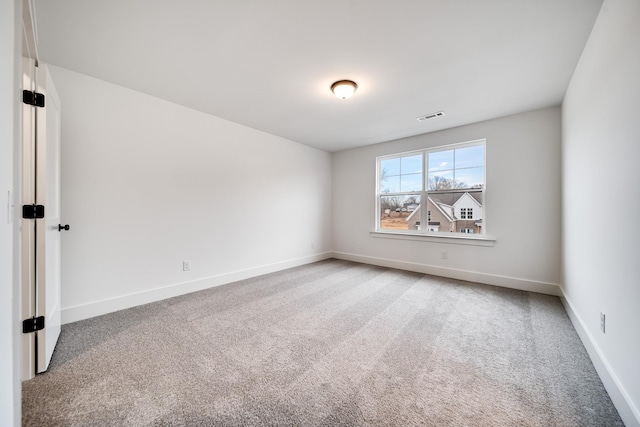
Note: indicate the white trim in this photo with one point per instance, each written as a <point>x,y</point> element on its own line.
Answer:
<point>97,308</point>
<point>621,399</point>
<point>470,276</point>
<point>628,411</point>
<point>424,193</point>
<point>463,239</point>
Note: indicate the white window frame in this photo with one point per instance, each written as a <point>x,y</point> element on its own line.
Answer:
<point>424,232</point>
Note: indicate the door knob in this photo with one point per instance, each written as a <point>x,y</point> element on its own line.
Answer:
<point>63,227</point>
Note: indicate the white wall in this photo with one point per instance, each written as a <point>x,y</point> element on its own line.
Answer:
<point>522,205</point>
<point>10,42</point>
<point>147,184</point>
<point>601,155</point>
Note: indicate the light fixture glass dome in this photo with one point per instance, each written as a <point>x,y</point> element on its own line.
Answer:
<point>344,89</point>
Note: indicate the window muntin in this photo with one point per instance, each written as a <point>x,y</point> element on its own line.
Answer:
<point>401,174</point>
<point>395,210</point>
<point>453,187</point>
<point>456,168</point>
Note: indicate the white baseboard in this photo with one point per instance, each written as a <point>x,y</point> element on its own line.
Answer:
<point>619,396</point>
<point>98,308</point>
<point>628,411</point>
<point>471,276</point>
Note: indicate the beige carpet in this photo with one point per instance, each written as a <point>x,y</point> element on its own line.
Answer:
<point>329,344</point>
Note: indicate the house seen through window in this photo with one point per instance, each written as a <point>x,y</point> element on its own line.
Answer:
<point>450,180</point>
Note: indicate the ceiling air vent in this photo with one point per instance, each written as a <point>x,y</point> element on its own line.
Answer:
<point>430,116</point>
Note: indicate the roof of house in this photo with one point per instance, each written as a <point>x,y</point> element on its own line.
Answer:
<point>447,198</point>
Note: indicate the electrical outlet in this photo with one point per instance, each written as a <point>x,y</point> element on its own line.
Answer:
<point>444,255</point>
<point>312,245</point>
<point>186,265</point>
<point>603,319</point>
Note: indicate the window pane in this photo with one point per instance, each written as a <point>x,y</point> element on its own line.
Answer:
<point>402,174</point>
<point>399,212</point>
<point>440,160</point>
<point>469,157</point>
<point>453,179</point>
<point>411,182</point>
<point>389,167</point>
<point>470,178</point>
<point>442,180</point>
<point>390,184</point>
<point>411,164</point>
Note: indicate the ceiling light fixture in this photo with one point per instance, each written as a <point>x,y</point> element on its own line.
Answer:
<point>344,89</point>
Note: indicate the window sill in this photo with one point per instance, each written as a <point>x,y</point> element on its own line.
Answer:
<point>454,240</point>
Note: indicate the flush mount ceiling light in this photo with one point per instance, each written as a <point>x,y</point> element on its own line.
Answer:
<point>343,89</point>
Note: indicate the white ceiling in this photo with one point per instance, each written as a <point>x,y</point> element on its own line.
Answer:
<point>269,64</point>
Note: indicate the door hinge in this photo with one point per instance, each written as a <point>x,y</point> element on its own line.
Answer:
<point>32,211</point>
<point>33,98</point>
<point>32,325</point>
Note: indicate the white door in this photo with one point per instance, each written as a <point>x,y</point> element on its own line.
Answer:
<point>48,293</point>
<point>27,226</point>
<point>41,236</point>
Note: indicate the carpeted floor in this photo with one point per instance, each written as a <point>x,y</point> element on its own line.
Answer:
<point>333,343</point>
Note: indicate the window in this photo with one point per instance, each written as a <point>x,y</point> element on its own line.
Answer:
<point>449,180</point>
